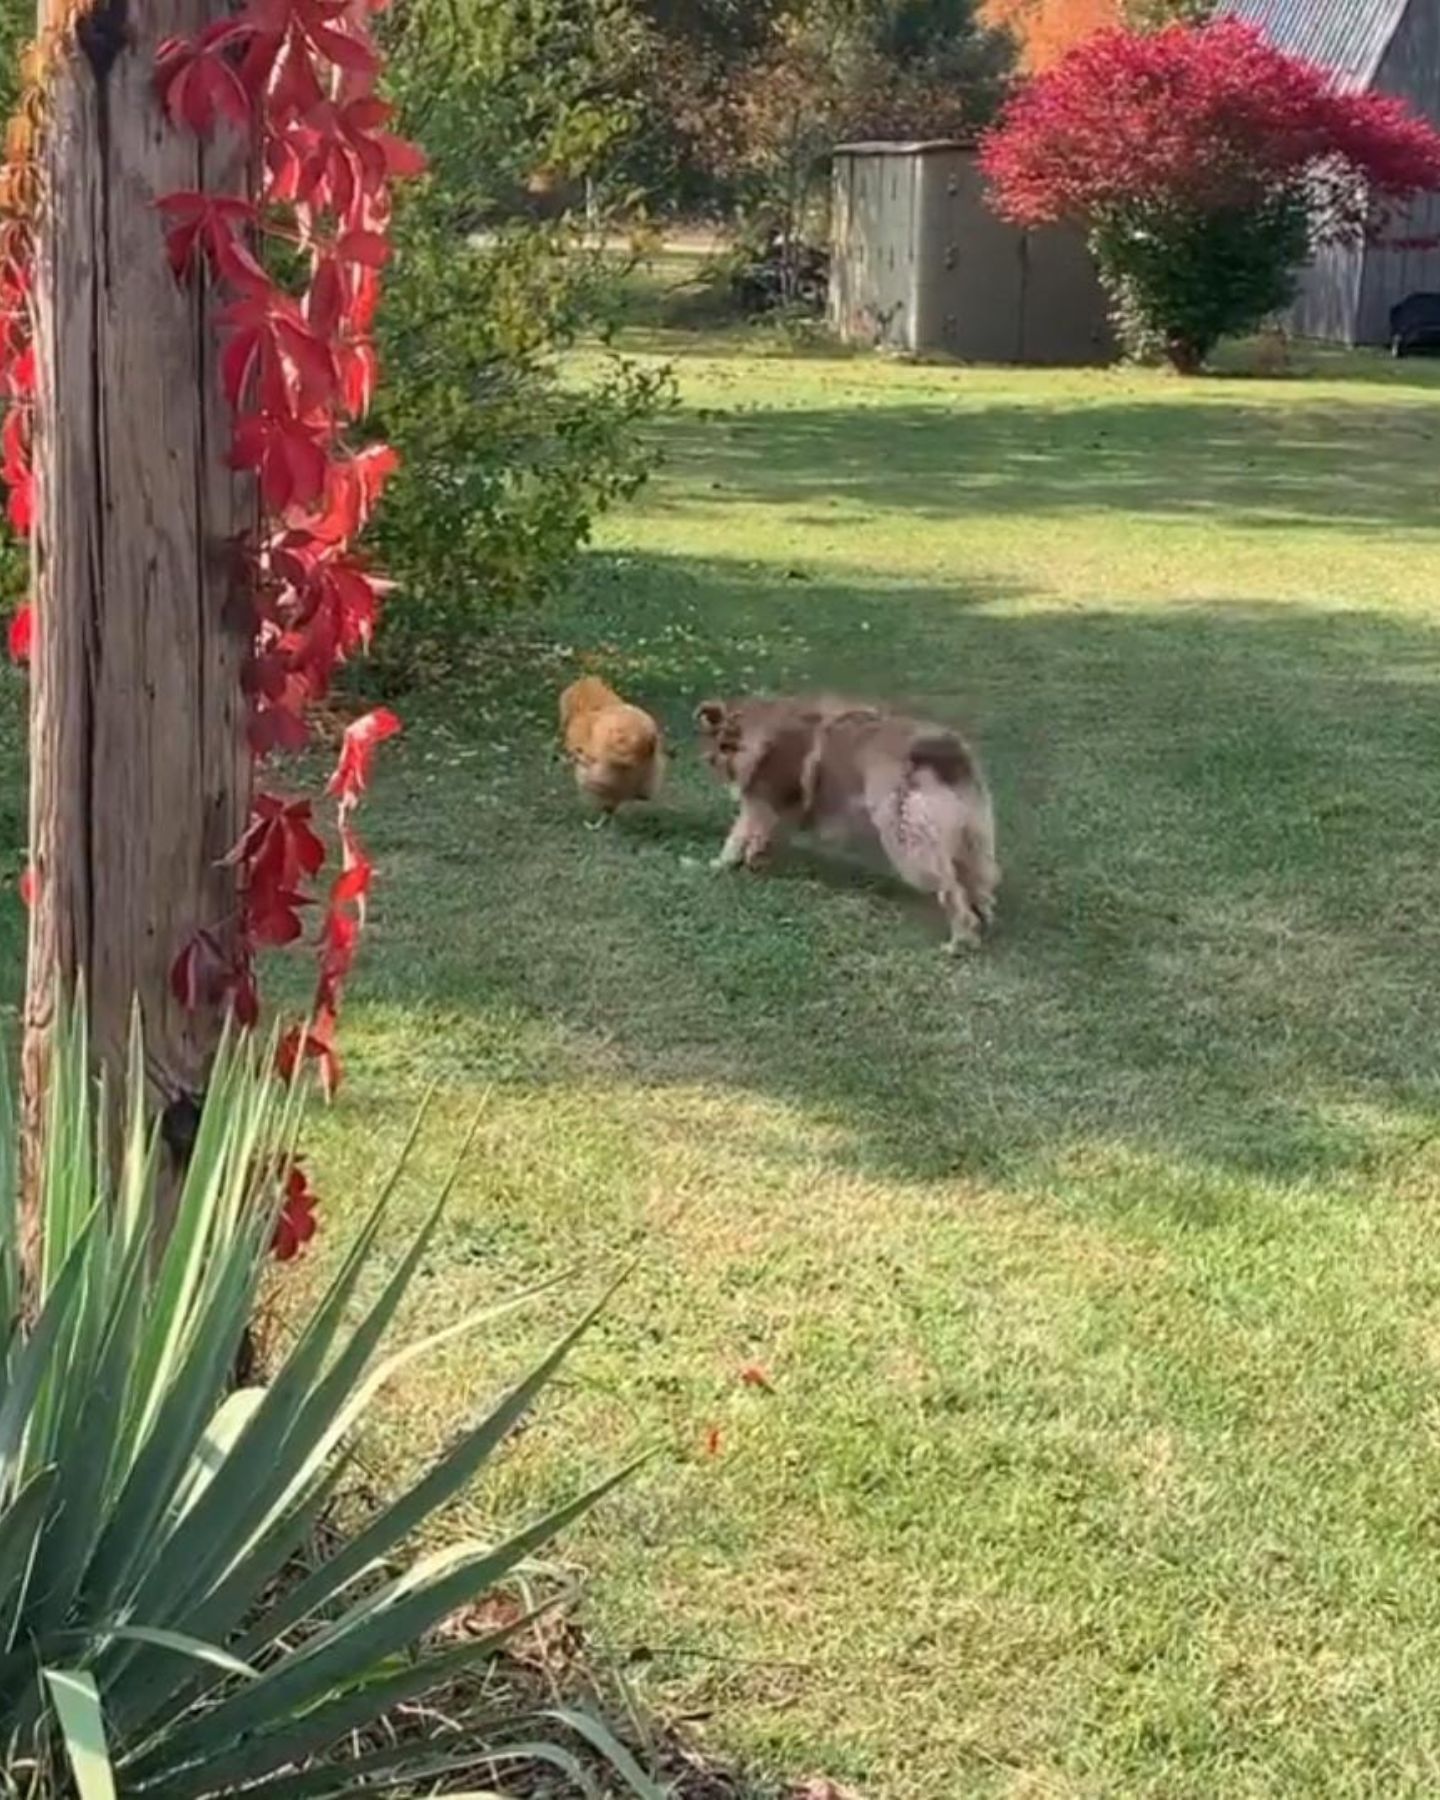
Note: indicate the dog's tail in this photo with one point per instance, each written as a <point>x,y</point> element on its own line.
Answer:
<point>945,755</point>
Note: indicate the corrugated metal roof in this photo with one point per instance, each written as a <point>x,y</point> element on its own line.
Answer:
<point>905,146</point>
<point>1348,36</point>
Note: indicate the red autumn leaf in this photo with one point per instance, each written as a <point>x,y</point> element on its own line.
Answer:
<point>22,632</point>
<point>280,848</point>
<point>353,883</point>
<point>288,456</point>
<point>364,299</point>
<point>213,225</point>
<point>402,158</point>
<point>353,489</point>
<point>359,374</point>
<point>300,1046</point>
<point>295,86</point>
<point>344,51</point>
<point>20,377</point>
<point>29,884</point>
<point>366,247</point>
<point>270,340</point>
<point>199,974</point>
<point>712,1440</point>
<point>15,448</point>
<point>197,82</point>
<point>295,1223</point>
<point>325,299</point>
<point>245,997</point>
<point>352,772</point>
<point>273,918</point>
<point>752,1375</point>
<point>20,508</point>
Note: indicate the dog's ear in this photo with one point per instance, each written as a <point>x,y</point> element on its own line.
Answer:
<point>710,715</point>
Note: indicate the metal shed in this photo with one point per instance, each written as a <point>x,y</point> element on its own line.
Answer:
<point>920,263</point>
<point>1393,47</point>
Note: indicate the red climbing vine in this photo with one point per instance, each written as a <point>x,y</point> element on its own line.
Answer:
<point>299,369</point>
<point>299,270</point>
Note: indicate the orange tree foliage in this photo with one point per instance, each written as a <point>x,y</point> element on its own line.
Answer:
<point>1047,29</point>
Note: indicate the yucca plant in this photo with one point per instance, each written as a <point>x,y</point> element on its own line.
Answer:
<point>151,1640</point>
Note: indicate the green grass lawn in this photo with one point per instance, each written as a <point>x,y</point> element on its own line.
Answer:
<point>1097,1277</point>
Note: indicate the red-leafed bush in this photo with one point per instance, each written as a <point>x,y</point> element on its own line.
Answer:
<point>1205,166</point>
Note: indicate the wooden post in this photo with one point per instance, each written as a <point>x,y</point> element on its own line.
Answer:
<point>140,773</point>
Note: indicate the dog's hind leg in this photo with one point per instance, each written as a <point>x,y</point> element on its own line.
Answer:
<point>977,872</point>
<point>966,922</point>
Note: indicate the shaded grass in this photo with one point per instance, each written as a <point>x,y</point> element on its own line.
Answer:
<point>1094,1280</point>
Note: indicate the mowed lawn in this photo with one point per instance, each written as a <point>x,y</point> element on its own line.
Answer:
<point>1095,1280</point>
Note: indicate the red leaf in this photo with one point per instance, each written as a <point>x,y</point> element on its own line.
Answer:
<point>20,508</point>
<point>402,158</point>
<point>198,974</point>
<point>197,83</point>
<point>325,301</point>
<point>299,1046</point>
<point>752,1375</point>
<point>344,51</point>
<point>22,372</point>
<point>359,373</point>
<point>366,247</point>
<point>712,1440</point>
<point>245,999</point>
<point>22,632</point>
<point>287,456</point>
<point>29,884</point>
<point>295,89</point>
<point>352,772</point>
<point>310,364</point>
<point>295,1223</point>
<point>367,113</point>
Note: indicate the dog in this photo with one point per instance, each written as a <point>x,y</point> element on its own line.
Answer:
<point>859,771</point>
<point>616,749</point>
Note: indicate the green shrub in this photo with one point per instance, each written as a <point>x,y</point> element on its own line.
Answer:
<point>504,463</point>
<point>158,1638</point>
<point>506,456</point>
<point>1180,280</point>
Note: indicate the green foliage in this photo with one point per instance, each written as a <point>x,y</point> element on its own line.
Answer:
<point>1180,280</point>
<point>1151,15</point>
<point>501,92</point>
<point>837,69</point>
<point>520,104</point>
<point>504,464</point>
<point>159,1636</point>
<point>739,99</point>
<point>17,26</point>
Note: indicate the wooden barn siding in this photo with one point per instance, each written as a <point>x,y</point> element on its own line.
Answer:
<point>1411,69</point>
<point>1328,303</point>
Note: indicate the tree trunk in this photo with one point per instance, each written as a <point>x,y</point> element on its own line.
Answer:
<point>140,772</point>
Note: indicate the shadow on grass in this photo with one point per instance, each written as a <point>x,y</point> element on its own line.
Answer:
<point>1348,465</point>
<point>1217,937</point>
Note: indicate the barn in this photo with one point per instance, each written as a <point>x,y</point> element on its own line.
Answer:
<point>1392,46</point>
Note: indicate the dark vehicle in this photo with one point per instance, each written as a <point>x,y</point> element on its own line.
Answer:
<point>1415,324</point>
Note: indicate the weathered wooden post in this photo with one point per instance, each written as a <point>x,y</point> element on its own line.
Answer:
<point>140,771</point>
